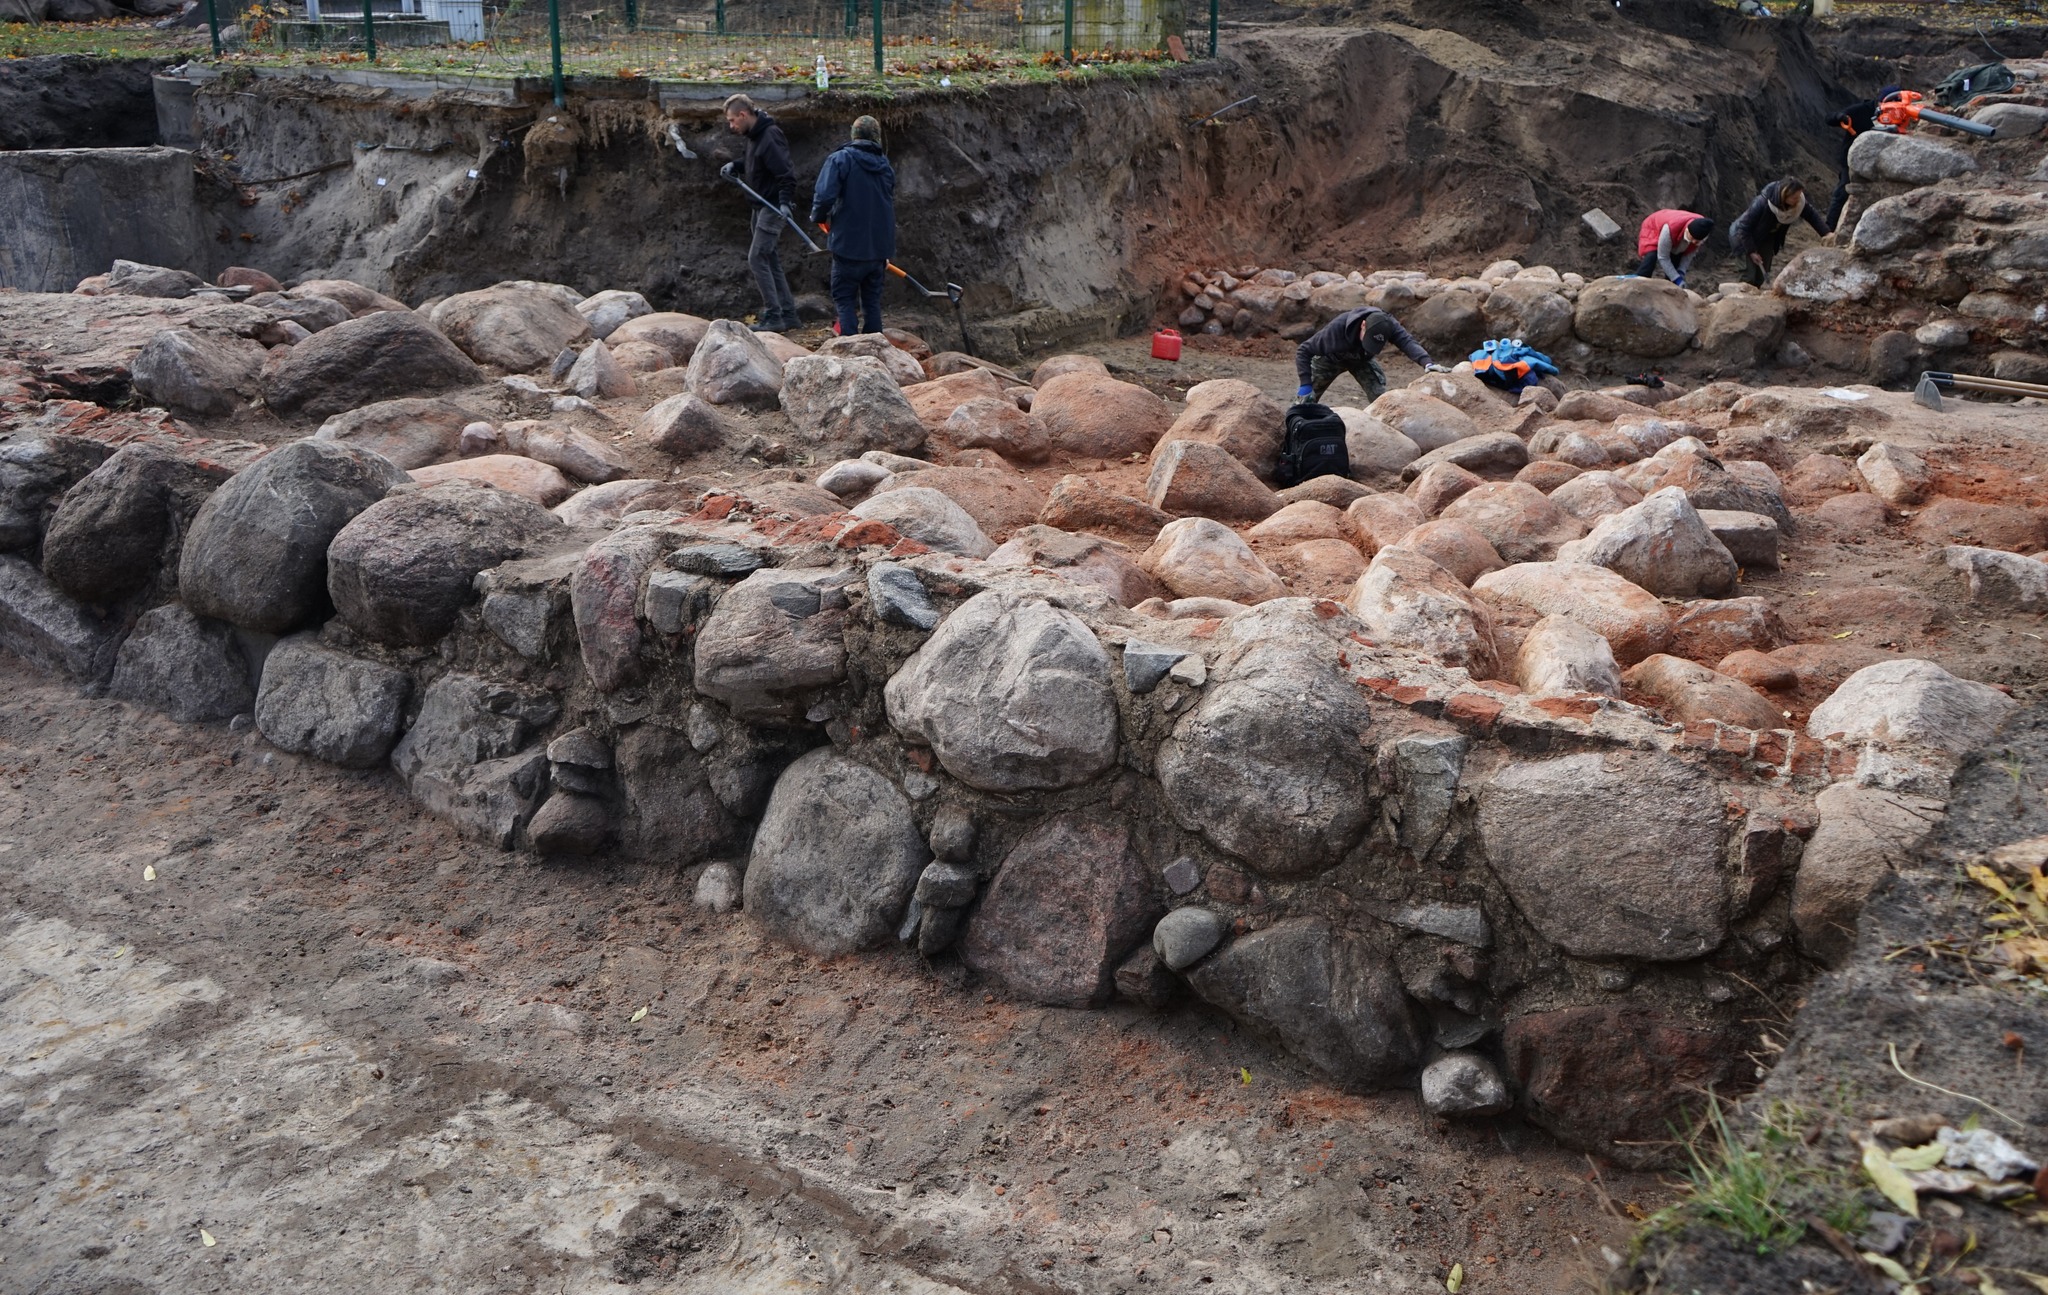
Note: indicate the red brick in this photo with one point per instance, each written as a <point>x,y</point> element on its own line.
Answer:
<point>1473,708</point>
<point>907,548</point>
<point>1842,761</point>
<point>1325,609</point>
<point>716,508</point>
<point>1568,707</point>
<point>1735,741</point>
<point>1703,734</point>
<point>865,532</point>
<point>1203,629</point>
<point>1808,756</point>
<point>1501,686</point>
<point>1770,747</point>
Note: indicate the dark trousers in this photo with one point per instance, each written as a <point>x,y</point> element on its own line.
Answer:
<point>858,283</point>
<point>1769,244</point>
<point>1322,371</point>
<point>764,257</point>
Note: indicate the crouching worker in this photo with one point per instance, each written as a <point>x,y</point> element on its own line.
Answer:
<point>1351,344</point>
<point>855,200</point>
<point>1668,241</point>
<point>1758,234</point>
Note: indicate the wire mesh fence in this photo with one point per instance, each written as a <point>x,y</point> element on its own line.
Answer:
<point>831,41</point>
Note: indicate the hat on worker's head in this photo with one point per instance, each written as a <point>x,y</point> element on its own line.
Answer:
<point>866,127</point>
<point>1699,227</point>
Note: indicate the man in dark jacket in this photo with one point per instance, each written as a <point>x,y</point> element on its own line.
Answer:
<point>767,172</point>
<point>855,199</point>
<point>1351,343</point>
<point>1856,119</point>
<point>1758,234</point>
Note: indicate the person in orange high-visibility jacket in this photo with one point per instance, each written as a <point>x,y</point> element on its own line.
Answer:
<point>1668,241</point>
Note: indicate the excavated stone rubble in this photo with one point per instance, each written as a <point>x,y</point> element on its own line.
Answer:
<point>1478,772</point>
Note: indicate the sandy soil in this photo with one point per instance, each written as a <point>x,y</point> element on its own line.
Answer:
<point>360,1053</point>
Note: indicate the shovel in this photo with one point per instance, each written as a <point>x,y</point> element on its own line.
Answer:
<point>952,294</point>
<point>787,218</point>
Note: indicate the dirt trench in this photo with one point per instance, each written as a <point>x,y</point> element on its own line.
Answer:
<point>1452,136</point>
<point>76,101</point>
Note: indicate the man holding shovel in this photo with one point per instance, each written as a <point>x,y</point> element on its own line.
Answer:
<point>855,198</point>
<point>767,172</point>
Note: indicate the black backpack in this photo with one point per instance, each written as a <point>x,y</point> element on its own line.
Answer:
<point>1314,445</point>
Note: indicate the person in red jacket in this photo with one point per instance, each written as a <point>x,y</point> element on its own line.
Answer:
<point>1668,241</point>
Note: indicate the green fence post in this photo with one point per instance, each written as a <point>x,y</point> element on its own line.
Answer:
<point>632,16</point>
<point>721,17</point>
<point>213,22</point>
<point>878,36</point>
<point>1215,10</point>
<point>1067,40</point>
<point>852,17</point>
<point>555,44</point>
<point>369,33</point>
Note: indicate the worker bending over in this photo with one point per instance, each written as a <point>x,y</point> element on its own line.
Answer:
<point>1668,241</point>
<point>1351,343</point>
<point>1758,234</point>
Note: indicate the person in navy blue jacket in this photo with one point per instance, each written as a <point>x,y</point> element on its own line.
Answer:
<point>855,198</point>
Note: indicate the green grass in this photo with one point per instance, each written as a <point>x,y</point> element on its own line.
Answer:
<point>918,63</point>
<point>1764,1182</point>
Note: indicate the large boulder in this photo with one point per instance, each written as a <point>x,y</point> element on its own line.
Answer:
<point>902,366</point>
<point>1199,558</point>
<point>319,702</point>
<point>405,566</point>
<point>1520,523</point>
<point>1611,855</point>
<point>1201,479</point>
<point>516,474</point>
<point>351,296</point>
<point>1235,415</point>
<point>34,474</point>
<point>1864,833</point>
<point>1559,656</point>
<point>676,334</point>
<point>1077,503</point>
<point>1628,616</point>
<point>518,329</point>
<point>1012,694</point>
<point>1408,601</point>
<point>256,555</point>
<point>1687,691</point>
<point>1907,159</point>
<point>411,432</point>
<point>42,625</point>
<point>198,373</point>
<point>186,666</point>
<point>1912,701</point>
<point>1617,1078</point>
<point>731,366</point>
<point>1071,900</point>
<point>125,520</point>
<point>1533,311</point>
<point>1427,421</point>
<point>1376,450</point>
<point>1274,764</point>
<point>1320,993</point>
<point>686,424</point>
<point>375,357</point>
<point>847,404</point>
<point>998,499</point>
<point>930,518</point>
<point>464,757</point>
<point>1661,545</point>
<point>1455,547</point>
<point>1082,559</point>
<point>1453,321</point>
<point>574,453</point>
<point>774,638</point>
<point>608,310</point>
<point>605,599</point>
<point>1995,578</point>
<point>936,400</point>
<point>1486,452</point>
<point>836,857</point>
<point>136,279</point>
<point>993,423</point>
<point>1099,417</point>
<point>1652,318</point>
<point>1743,331</point>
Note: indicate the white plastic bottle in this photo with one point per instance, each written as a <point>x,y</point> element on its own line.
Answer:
<point>824,77</point>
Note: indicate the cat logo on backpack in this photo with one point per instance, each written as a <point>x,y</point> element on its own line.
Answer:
<point>1314,445</point>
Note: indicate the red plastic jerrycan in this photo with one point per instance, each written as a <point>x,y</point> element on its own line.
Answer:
<point>1166,345</point>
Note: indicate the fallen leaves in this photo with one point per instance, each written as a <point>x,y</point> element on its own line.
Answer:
<point>1890,1179</point>
<point>640,1015</point>
<point>149,872</point>
<point>1456,1281</point>
<point>207,1239</point>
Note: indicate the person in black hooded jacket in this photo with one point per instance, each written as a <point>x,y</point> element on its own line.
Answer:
<point>855,199</point>
<point>1758,234</point>
<point>767,172</point>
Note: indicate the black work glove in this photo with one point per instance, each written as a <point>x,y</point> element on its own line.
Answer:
<point>725,172</point>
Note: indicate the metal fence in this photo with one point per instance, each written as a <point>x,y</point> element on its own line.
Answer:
<point>832,40</point>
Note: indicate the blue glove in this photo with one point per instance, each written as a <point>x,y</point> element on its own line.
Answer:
<point>1304,393</point>
<point>1435,368</point>
<point>1680,281</point>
